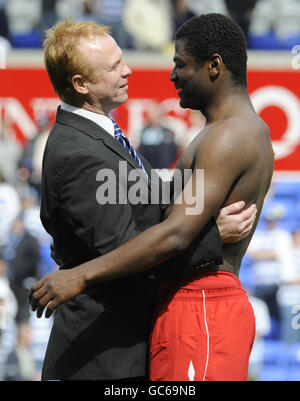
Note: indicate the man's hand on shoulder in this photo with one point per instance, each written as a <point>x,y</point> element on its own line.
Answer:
<point>234,223</point>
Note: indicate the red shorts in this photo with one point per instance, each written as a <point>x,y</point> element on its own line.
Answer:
<point>202,330</point>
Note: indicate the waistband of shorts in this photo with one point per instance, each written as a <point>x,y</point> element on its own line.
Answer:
<point>188,295</point>
<point>208,285</point>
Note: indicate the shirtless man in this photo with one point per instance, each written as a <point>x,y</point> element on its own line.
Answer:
<point>216,331</point>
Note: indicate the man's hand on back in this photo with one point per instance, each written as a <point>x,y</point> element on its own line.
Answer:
<point>234,223</point>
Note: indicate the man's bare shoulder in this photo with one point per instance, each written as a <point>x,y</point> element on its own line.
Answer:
<point>234,134</point>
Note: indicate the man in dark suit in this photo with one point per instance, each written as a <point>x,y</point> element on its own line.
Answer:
<point>102,333</point>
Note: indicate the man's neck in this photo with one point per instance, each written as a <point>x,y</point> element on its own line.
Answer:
<point>95,109</point>
<point>102,120</point>
<point>87,106</point>
<point>226,105</point>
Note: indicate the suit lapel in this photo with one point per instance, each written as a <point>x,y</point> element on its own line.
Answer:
<point>93,130</point>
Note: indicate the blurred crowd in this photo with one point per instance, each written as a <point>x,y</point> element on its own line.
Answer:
<point>24,254</point>
<point>150,24</point>
<point>271,274</point>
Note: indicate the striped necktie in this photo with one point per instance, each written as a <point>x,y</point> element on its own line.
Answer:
<point>127,145</point>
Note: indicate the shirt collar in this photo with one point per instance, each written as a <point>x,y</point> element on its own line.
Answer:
<point>103,121</point>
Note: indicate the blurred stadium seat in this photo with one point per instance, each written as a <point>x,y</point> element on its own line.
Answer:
<point>280,362</point>
<point>268,41</point>
<point>272,373</point>
<point>27,40</point>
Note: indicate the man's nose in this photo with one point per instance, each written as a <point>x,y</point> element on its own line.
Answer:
<point>172,75</point>
<point>127,71</point>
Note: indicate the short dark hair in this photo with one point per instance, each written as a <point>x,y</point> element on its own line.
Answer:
<point>212,33</point>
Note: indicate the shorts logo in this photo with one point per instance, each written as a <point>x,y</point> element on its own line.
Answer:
<point>191,372</point>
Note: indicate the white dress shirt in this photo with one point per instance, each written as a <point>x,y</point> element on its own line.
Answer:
<point>100,119</point>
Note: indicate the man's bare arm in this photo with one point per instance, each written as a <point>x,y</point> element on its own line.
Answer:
<point>154,245</point>
<point>234,224</point>
<point>233,221</point>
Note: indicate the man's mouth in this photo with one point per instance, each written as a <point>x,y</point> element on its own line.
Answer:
<point>179,89</point>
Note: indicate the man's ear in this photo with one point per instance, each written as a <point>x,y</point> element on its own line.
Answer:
<point>79,84</point>
<point>215,66</point>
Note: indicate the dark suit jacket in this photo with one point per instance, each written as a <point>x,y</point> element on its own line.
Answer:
<point>102,333</point>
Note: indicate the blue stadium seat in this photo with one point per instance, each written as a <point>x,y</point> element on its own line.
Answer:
<point>293,352</point>
<point>286,205</point>
<point>273,335</point>
<point>289,224</point>
<point>290,42</point>
<point>273,373</point>
<point>293,374</point>
<point>275,353</point>
<point>246,277</point>
<point>263,42</point>
<point>29,40</point>
<point>275,361</point>
<point>286,188</point>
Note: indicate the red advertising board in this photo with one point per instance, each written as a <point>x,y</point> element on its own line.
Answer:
<point>26,95</point>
